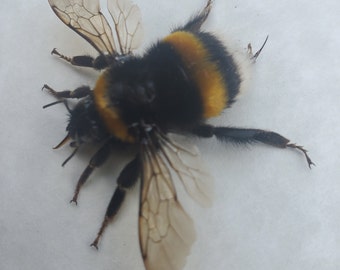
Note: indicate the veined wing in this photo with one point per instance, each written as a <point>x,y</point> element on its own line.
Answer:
<point>127,19</point>
<point>86,19</point>
<point>165,229</point>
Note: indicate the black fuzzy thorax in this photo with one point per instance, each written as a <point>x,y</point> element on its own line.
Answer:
<point>157,89</point>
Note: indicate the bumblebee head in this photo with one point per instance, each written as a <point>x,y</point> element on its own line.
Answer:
<point>84,124</point>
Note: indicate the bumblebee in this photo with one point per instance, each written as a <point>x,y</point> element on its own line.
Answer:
<point>179,83</point>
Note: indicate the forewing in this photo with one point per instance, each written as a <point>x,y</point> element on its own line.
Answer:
<point>165,229</point>
<point>128,24</point>
<point>85,18</point>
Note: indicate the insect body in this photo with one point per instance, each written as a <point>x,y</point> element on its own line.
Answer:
<point>180,82</point>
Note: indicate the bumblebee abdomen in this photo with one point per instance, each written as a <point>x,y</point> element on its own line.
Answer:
<point>211,68</point>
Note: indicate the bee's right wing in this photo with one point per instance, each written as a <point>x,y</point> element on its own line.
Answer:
<point>85,18</point>
<point>166,231</point>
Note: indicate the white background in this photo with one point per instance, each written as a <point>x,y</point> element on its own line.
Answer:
<point>270,211</point>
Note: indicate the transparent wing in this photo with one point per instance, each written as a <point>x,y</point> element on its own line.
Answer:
<point>85,18</point>
<point>189,168</point>
<point>165,229</point>
<point>127,20</point>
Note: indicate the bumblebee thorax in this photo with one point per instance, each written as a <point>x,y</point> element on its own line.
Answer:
<point>123,101</point>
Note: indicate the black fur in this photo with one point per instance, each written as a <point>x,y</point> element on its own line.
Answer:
<point>156,89</point>
<point>85,124</point>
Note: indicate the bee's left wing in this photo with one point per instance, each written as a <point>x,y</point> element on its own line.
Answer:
<point>166,231</point>
<point>85,18</point>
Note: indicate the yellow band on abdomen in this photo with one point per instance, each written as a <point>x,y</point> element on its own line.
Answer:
<point>204,72</point>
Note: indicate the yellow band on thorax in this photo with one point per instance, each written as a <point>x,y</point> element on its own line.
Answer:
<point>108,113</point>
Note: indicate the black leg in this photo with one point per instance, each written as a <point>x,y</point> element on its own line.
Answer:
<point>79,92</point>
<point>100,62</point>
<point>97,160</point>
<point>196,22</point>
<point>243,136</point>
<point>127,178</point>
